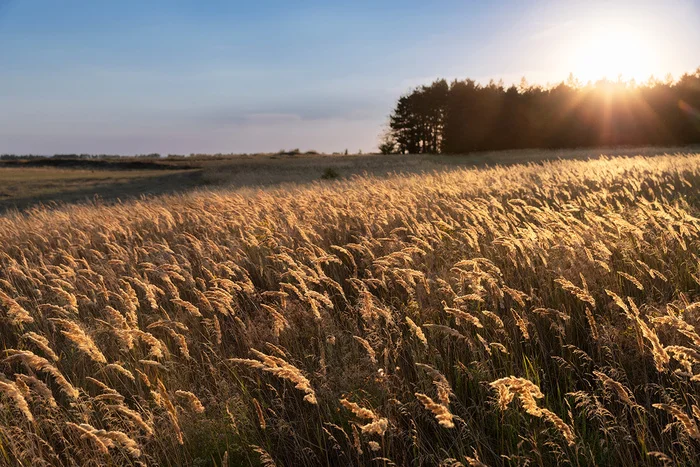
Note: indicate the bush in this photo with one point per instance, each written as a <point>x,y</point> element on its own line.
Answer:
<point>330,174</point>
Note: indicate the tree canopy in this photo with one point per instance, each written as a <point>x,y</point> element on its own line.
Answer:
<point>465,116</point>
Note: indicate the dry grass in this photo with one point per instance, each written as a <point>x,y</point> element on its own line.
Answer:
<point>23,187</point>
<point>533,314</point>
<point>22,184</point>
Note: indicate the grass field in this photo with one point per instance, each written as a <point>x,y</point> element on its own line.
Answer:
<point>534,314</point>
<point>23,186</point>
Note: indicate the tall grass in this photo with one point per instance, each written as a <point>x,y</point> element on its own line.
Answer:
<point>536,314</point>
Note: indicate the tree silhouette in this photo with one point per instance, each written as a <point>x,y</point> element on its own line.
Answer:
<point>465,116</point>
<point>416,125</point>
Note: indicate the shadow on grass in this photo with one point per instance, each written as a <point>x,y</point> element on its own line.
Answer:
<point>110,192</point>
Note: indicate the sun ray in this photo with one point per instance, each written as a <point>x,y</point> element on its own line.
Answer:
<point>612,51</point>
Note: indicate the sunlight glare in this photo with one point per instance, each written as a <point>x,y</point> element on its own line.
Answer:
<point>611,51</point>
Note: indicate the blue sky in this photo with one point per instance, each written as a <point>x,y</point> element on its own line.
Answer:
<point>181,76</point>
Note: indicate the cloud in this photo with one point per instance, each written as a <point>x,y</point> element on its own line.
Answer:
<point>554,31</point>
<point>259,133</point>
<point>312,109</point>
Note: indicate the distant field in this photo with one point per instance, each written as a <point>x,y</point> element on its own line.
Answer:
<point>26,187</point>
<point>539,314</point>
<point>27,184</point>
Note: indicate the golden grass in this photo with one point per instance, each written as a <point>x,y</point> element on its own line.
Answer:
<point>534,314</point>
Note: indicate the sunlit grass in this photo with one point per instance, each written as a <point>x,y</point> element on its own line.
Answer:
<point>533,314</point>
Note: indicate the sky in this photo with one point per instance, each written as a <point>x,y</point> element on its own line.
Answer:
<point>186,76</point>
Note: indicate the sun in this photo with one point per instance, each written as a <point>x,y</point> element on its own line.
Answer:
<point>611,51</point>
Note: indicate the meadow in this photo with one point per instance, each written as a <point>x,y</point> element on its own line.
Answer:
<point>543,313</point>
<point>32,182</point>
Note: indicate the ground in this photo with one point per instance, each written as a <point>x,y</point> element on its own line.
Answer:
<point>25,185</point>
<point>529,314</point>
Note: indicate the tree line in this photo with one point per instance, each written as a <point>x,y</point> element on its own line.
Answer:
<point>464,116</point>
